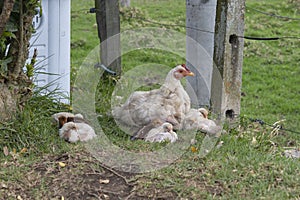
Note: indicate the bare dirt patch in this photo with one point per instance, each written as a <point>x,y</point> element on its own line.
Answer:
<point>69,176</point>
<point>80,176</point>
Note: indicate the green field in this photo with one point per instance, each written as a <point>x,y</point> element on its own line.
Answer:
<point>249,165</point>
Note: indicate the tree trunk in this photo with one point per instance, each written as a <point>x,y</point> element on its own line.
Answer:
<point>6,10</point>
<point>15,84</point>
<point>7,102</point>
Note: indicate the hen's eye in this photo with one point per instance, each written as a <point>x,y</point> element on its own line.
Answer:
<point>180,71</point>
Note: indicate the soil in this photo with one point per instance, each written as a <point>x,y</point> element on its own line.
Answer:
<point>76,176</point>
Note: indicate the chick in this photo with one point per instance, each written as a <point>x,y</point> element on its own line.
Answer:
<point>74,128</point>
<point>162,133</point>
<point>144,131</point>
<point>197,119</point>
<point>69,132</point>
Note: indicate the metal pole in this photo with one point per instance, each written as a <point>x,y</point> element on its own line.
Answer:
<point>200,22</point>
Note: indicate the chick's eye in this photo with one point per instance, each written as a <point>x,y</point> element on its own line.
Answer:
<point>180,71</point>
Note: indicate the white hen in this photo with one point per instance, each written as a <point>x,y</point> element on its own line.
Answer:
<point>163,133</point>
<point>168,103</point>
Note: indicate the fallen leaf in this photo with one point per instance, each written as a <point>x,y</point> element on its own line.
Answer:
<point>61,164</point>
<point>5,151</point>
<point>19,197</point>
<point>24,150</point>
<point>104,181</point>
<point>62,198</point>
<point>194,149</point>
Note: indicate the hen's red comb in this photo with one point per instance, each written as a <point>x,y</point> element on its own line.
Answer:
<point>185,67</point>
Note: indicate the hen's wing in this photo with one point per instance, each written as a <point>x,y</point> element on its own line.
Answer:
<point>141,108</point>
<point>127,113</point>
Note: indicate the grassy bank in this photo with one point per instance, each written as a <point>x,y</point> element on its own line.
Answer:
<point>248,165</point>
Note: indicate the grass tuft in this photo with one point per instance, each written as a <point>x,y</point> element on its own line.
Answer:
<point>32,128</point>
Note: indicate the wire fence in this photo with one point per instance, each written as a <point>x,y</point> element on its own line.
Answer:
<point>94,10</point>
<point>272,15</point>
<point>260,121</point>
<point>212,32</point>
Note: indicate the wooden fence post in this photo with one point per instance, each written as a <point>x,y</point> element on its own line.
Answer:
<point>108,21</point>
<point>200,25</point>
<point>228,58</point>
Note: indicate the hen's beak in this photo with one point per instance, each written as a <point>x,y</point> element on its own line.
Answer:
<point>189,74</point>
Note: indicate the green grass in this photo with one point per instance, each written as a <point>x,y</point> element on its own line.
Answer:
<point>249,165</point>
<point>271,68</point>
<point>33,127</point>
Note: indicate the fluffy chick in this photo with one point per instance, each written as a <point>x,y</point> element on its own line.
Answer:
<point>74,128</point>
<point>144,131</point>
<point>69,132</point>
<point>197,119</point>
<point>162,133</point>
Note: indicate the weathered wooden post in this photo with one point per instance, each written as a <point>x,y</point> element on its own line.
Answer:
<point>108,21</point>
<point>200,25</point>
<point>228,58</point>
